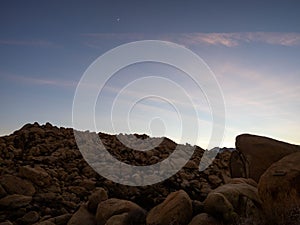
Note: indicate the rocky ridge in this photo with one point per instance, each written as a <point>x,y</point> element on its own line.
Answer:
<point>43,176</point>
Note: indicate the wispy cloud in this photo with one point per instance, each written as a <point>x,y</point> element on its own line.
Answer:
<point>236,39</point>
<point>196,38</point>
<point>40,81</point>
<point>33,43</point>
<point>224,39</point>
<point>260,102</point>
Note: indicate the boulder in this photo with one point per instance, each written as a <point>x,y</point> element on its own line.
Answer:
<point>238,165</point>
<point>61,220</point>
<point>120,219</point>
<point>176,209</point>
<point>279,187</point>
<point>16,185</point>
<point>46,222</point>
<point>6,223</point>
<point>260,152</point>
<point>37,175</point>
<point>228,202</point>
<point>198,207</point>
<point>15,201</point>
<point>2,191</point>
<point>214,180</point>
<point>29,218</point>
<point>113,206</point>
<point>204,219</point>
<point>94,199</point>
<point>82,216</point>
<point>243,180</point>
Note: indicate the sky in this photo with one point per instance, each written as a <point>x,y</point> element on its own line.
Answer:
<point>251,47</point>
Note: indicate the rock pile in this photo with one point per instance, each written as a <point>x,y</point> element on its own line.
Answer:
<point>45,180</point>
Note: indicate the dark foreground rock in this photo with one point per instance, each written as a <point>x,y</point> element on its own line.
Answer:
<point>176,209</point>
<point>238,198</point>
<point>279,189</point>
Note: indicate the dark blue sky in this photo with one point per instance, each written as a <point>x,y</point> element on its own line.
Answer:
<point>45,47</point>
<point>60,20</point>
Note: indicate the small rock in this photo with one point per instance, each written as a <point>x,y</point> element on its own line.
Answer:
<point>46,222</point>
<point>46,197</point>
<point>2,192</point>
<point>205,190</point>
<point>191,165</point>
<point>88,184</point>
<point>214,180</point>
<point>79,191</point>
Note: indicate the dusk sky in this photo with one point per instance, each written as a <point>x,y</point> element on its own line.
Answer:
<point>252,47</point>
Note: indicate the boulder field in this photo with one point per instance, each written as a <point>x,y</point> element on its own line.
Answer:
<point>45,180</point>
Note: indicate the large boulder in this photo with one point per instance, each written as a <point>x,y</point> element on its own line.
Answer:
<point>236,199</point>
<point>279,188</point>
<point>176,209</point>
<point>259,153</point>
<point>111,207</point>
